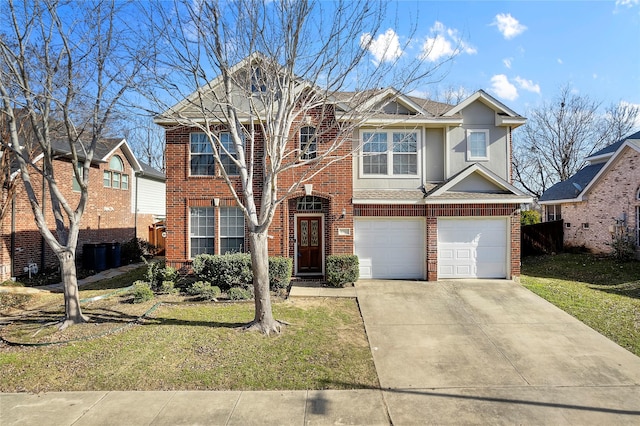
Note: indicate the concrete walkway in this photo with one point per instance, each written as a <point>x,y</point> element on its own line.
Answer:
<point>452,352</point>
<point>482,351</point>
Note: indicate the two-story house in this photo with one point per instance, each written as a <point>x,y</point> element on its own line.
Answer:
<point>125,198</point>
<point>423,191</point>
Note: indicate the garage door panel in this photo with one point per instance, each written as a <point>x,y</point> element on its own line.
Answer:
<point>472,248</point>
<point>390,247</point>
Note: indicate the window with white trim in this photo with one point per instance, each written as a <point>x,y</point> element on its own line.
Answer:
<point>231,230</point>
<point>554,212</point>
<point>308,143</point>
<point>76,184</point>
<point>201,155</point>
<point>390,153</point>
<point>227,160</point>
<point>114,177</point>
<point>477,145</point>
<point>201,231</point>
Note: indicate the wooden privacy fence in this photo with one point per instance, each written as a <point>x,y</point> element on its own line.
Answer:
<point>542,238</point>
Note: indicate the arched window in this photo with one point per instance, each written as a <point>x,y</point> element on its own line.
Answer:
<point>114,177</point>
<point>308,143</point>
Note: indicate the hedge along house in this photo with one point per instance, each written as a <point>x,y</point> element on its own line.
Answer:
<point>125,198</point>
<point>422,191</point>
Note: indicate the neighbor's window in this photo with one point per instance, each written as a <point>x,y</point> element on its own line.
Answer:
<point>201,230</point>
<point>231,230</point>
<point>553,212</point>
<point>114,177</point>
<point>76,184</point>
<point>390,153</point>
<point>308,143</point>
<point>477,145</point>
<point>227,160</point>
<point>258,81</point>
<point>202,160</point>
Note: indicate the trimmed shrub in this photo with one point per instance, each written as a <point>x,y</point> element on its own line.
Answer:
<point>157,273</point>
<point>204,290</point>
<point>239,293</point>
<point>141,292</point>
<point>167,287</point>
<point>279,272</point>
<point>224,271</point>
<point>234,270</point>
<point>342,269</point>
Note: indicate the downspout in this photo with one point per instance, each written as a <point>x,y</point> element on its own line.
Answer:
<point>135,212</point>
<point>12,252</point>
<point>42,241</point>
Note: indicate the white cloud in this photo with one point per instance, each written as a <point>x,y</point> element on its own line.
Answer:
<point>509,26</point>
<point>627,3</point>
<point>384,48</point>
<point>595,76</point>
<point>560,61</point>
<point>507,62</point>
<point>443,43</point>
<point>527,85</point>
<point>503,88</point>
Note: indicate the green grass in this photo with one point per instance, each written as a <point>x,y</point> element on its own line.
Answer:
<point>602,293</point>
<point>188,345</point>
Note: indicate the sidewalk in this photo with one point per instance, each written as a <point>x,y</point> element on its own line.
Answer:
<point>355,407</point>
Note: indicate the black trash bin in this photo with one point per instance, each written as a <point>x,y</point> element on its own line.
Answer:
<point>113,255</point>
<point>100,257</point>
<point>89,256</point>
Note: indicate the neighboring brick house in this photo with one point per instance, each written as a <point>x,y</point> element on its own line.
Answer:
<point>428,197</point>
<point>600,199</point>
<point>118,183</point>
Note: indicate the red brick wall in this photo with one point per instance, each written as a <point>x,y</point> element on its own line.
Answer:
<point>107,217</point>
<point>333,184</point>
<point>615,194</point>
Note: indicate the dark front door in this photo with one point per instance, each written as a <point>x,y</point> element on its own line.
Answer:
<point>309,244</point>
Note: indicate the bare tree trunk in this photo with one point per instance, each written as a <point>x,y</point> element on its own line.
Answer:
<point>263,320</point>
<point>71,295</point>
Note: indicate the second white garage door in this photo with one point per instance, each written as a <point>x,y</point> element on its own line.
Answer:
<point>472,248</point>
<point>390,247</point>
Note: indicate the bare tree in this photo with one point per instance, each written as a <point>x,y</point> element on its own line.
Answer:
<point>146,140</point>
<point>64,67</point>
<point>277,65</point>
<point>561,134</point>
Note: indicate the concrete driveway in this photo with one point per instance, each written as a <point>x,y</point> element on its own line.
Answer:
<point>490,351</point>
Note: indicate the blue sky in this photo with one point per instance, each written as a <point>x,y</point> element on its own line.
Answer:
<point>523,52</point>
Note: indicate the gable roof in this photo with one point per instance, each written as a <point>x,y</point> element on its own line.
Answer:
<point>574,189</point>
<point>482,96</point>
<point>608,150</point>
<point>447,193</point>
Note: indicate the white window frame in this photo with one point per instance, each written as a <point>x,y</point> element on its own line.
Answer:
<point>310,140</point>
<point>470,156</point>
<point>225,159</point>
<point>390,154</point>
<point>555,208</point>
<point>192,154</point>
<point>194,236</point>
<point>224,231</point>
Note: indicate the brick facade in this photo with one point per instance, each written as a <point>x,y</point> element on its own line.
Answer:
<point>108,217</point>
<point>613,196</point>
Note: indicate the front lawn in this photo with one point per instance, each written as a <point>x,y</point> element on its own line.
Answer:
<point>187,344</point>
<point>601,292</point>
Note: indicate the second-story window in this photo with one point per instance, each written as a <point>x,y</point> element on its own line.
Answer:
<point>115,176</point>
<point>202,160</point>
<point>477,145</point>
<point>227,160</point>
<point>308,144</point>
<point>390,153</point>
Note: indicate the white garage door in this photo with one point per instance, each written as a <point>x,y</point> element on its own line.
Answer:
<point>472,248</point>
<point>390,247</point>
